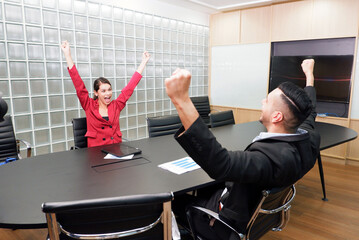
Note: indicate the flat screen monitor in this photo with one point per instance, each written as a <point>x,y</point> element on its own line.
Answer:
<point>332,75</point>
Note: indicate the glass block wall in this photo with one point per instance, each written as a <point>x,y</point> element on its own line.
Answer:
<point>105,41</point>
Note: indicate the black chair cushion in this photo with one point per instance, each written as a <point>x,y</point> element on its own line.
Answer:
<point>79,127</point>
<point>222,118</point>
<point>163,125</point>
<point>8,147</point>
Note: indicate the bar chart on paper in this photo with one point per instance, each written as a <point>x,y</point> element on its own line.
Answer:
<point>180,166</point>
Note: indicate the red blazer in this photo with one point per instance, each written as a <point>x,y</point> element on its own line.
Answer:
<point>100,131</point>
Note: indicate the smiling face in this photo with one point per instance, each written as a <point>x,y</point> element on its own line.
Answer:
<point>104,93</point>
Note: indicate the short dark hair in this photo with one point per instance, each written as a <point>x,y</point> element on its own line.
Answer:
<point>97,83</point>
<point>298,102</point>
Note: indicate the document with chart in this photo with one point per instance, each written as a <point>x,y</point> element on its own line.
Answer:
<point>180,166</point>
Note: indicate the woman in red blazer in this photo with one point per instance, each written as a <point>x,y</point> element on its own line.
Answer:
<point>102,114</point>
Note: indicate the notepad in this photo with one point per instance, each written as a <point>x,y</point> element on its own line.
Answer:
<point>120,150</point>
<point>180,166</point>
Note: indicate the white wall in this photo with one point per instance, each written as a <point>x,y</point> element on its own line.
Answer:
<point>162,9</point>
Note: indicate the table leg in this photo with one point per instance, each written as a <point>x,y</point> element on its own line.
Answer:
<point>322,177</point>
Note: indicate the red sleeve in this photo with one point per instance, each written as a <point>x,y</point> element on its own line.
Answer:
<point>81,90</point>
<point>127,91</point>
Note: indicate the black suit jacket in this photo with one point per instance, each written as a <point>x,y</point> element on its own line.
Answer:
<point>264,164</point>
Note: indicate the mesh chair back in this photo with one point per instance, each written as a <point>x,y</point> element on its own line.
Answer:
<point>163,125</point>
<point>129,217</point>
<point>221,118</point>
<point>202,105</point>
<point>8,146</point>
<point>79,127</point>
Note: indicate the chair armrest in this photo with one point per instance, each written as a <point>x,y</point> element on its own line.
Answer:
<point>284,207</point>
<point>216,216</point>
<point>28,146</point>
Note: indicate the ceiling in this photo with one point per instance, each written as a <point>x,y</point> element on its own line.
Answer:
<point>215,6</point>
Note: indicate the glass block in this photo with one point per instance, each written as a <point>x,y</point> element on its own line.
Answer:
<point>3,70</point>
<point>58,147</point>
<point>173,47</point>
<point>109,70</point>
<point>66,20</point>
<point>157,34</point>
<point>19,88</point>
<point>49,4</point>
<point>150,95</point>
<point>187,27</point>
<point>129,30</point>
<point>166,47</point>
<point>149,45</point>
<point>58,134</point>
<point>141,95</point>
<point>32,15</point>
<point>39,104</point>
<point>57,118</point>
<point>82,54</point>
<point>139,18</point>
<point>120,83</point>
<point>69,86</point>
<point>54,86</point>
<point>123,121</point>
<point>0,12</point>
<point>50,18</point>
<point>158,46</point>
<point>70,134</point>
<point>80,6</point>
<point>21,105</point>
<point>132,122</point>
<point>52,53</point>
<point>173,24</point>
<point>42,150</point>
<point>149,32</point>
<point>158,58</point>
<point>66,35</point>
<point>158,94</point>
<point>95,55</point>
<point>94,24</point>
<point>130,69</point>
<point>107,26</point>
<point>94,9</point>
<point>34,52</point>
<point>71,114</point>
<point>131,109</point>
<point>4,86</point>
<point>96,70</point>
<point>32,2</point>
<point>27,136</point>
<point>81,38</point>
<point>141,109</point>
<point>158,106</point>
<point>166,105</point>
<point>53,69</point>
<point>42,137</point>
<point>106,11</point>
<point>120,56</point>
<point>130,57</point>
<point>118,13</point>
<point>130,43</point>
<point>142,132</point>
<point>118,28</point>
<point>16,51</point>
<point>56,102</point>
<point>14,32</point>
<point>84,69</point>
<point>120,70</point>
<point>38,87</point>
<point>140,45</point>
<point>23,123</point>
<point>95,40</point>
<point>13,13</point>
<point>1,31</point>
<point>150,107</point>
<point>119,43</point>
<point>66,5</point>
<point>33,34</point>
<point>129,16</point>
<point>157,21</point>
<point>108,55</point>
<point>36,70</point>
<point>18,69</point>
<point>80,23</point>
<point>165,23</point>
<point>107,41</point>
<point>52,36</point>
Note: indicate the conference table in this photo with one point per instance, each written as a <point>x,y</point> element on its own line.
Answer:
<point>85,174</point>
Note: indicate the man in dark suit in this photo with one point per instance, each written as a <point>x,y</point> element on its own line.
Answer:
<point>276,158</point>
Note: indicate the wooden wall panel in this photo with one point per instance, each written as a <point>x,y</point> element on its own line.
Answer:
<point>335,18</point>
<point>225,28</point>
<point>292,21</point>
<point>353,146</point>
<point>256,25</point>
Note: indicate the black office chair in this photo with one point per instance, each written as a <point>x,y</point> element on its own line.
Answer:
<point>9,145</point>
<point>79,128</point>
<point>271,213</point>
<point>130,217</point>
<point>221,118</point>
<point>202,105</point>
<point>163,125</point>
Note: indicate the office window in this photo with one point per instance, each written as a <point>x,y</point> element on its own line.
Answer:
<point>105,41</point>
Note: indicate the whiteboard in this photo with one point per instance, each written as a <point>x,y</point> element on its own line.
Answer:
<point>239,75</point>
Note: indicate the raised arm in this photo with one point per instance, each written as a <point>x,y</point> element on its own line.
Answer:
<point>65,47</point>
<point>308,68</point>
<point>145,57</point>
<point>177,89</point>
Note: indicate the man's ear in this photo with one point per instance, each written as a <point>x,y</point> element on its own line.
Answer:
<point>277,117</point>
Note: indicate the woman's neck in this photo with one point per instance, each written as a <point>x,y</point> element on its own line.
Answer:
<point>103,109</point>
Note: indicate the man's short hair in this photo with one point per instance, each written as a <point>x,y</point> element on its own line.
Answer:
<point>297,101</point>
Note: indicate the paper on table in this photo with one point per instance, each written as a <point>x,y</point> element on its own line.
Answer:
<point>180,166</point>
<point>110,156</point>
